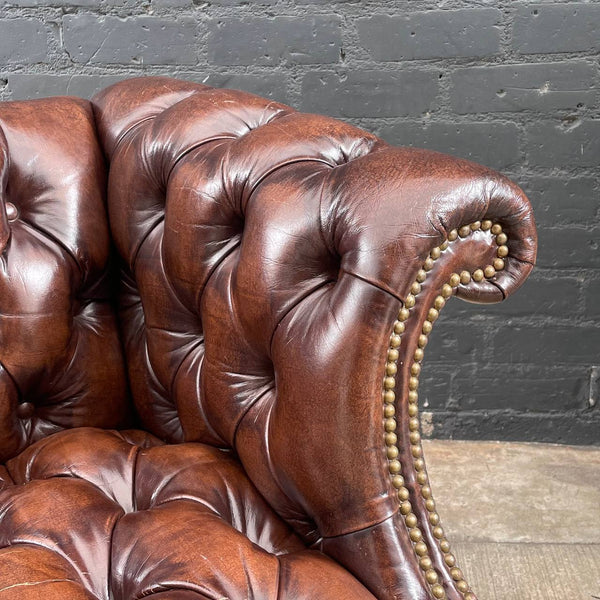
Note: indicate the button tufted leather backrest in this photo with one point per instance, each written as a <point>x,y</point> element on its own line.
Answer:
<point>266,254</point>
<point>61,362</point>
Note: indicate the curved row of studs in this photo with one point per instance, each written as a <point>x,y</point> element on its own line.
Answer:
<point>389,398</point>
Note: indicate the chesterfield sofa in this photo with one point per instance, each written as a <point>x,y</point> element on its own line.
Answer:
<point>213,314</point>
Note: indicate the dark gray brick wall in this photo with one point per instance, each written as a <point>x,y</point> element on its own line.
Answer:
<point>511,84</point>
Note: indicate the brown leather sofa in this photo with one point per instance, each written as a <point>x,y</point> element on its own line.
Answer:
<point>218,399</point>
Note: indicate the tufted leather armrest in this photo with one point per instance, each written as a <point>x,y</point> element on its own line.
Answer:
<point>282,272</point>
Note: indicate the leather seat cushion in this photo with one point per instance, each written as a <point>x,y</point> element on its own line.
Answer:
<point>95,514</point>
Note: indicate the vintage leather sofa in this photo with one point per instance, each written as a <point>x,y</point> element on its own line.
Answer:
<point>218,399</point>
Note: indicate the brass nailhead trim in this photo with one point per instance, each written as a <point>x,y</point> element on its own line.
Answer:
<point>389,398</point>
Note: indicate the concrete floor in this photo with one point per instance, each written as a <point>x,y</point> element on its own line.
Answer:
<point>523,519</point>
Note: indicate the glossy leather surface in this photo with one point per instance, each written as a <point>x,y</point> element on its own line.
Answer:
<point>264,256</point>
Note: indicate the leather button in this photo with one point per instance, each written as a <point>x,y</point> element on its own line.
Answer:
<point>11,211</point>
<point>25,410</point>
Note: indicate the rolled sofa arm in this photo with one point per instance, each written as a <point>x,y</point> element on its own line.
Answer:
<point>283,273</point>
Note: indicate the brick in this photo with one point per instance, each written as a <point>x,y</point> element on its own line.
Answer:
<point>529,389</point>
<point>369,93</point>
<point>592,302</point>
<point>538,87</point>
<point>548,345</point>
<point>451,343</point>
<point>548,28</point>
<point>34,3</point>
<point>23,86</point>
<point>434,388</point>
<point>432,34</point>
<point>493,144</point>
<point>268,41</point>
<point>569,248</point>
<point>560,144</point>
<point>539,296</point>
<point>563,200</point>
<point>565,428</point>
<point>150,40</point>
<point>268,86</point>
<point>23,41</point>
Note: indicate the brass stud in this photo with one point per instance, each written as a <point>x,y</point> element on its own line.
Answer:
<point>454,280</point>
<point>389,396</point>
<point>425,563</point>
<point>389,383</point>
<point>444,245</point>
<point>501,238</point>
<point>415,369</point>
<point>399,327</point>
<point>502,251</point>
<point>415,437</point>
<point>433,314</point>
<point>392,452</point>
<point>450,560</point>
<point>452,235</point>
<point>438,591</point>
<point>426,491</point>
<point>391,368</point>
<point>410,301</point>
<point>421,548</point>
<point>465,277</point>
<point>394,466</point>
<point>445,546</point>
<point>413,409</point>
<point>438,532</point>
<point>389,411</point>
<point>428,264</point>
<point>413,396</point>
<point>411,520</point>
<point>419,464</point>
<point>413,383</point>
<point>413,424</point>
<point>462,586</point>
<point>397,480</point>
<point>393,354</point>
<point>475,225</point>
<point>422,341</point>
<point>470,596</point>
<point>464,231</point>
<point>427,327</point>
<point>447,291</point>
<point>489,272</point>
<point>395,341</point>
<point>498,264</point>
<point>405,508</point>
<point>434,518</point>
<point>415,288</point>
<point>485,225</point>
<point>419,354</point>
<point>478,275</point>
<point>439,302</point>
<point>422,478</point>
<point>435,253</point>
<point>430,504</point>
<point>431,576</point>
<point>496,229</point>
<point>391,439</point>
<point>421,275</point>
<point>403,314</point>
<point>403,494</point>
<point>456,574</point>
<point>417,451</point>
<point>390,425</point>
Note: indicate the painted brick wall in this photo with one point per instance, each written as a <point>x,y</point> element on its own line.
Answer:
<point>511,84</point>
